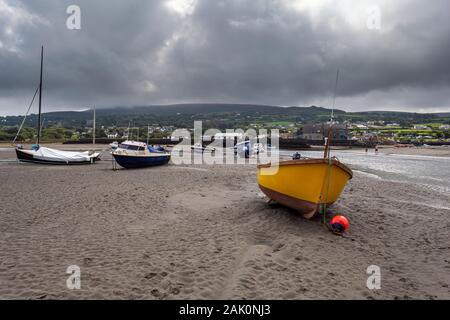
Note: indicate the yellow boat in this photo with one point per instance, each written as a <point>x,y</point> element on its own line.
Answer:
<point>304,184</point>
<point>307,185</point>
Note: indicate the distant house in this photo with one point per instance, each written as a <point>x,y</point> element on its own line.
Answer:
<point>420,127</point>
<point>286,135</point>
<point>318,132</point>
<point>369,137</point>
<point>181,134</point>
<point>112,135</point>
<point>313,131</point>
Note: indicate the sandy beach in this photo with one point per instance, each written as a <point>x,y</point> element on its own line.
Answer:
<point>207,232</point>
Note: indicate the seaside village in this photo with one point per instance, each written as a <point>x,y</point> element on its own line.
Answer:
<point>368,133</point>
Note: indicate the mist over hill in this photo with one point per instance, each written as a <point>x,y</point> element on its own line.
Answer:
<point>214,115</point>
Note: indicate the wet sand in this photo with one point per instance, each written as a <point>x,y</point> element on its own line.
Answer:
<point>207,232</point>
<point>435,151</point>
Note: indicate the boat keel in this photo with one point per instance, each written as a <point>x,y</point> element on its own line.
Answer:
<point>307,209</point>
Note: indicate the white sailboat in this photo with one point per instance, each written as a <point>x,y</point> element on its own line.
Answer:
<point>40,154</point>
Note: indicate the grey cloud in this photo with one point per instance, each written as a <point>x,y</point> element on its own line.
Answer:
<point>141,52</point>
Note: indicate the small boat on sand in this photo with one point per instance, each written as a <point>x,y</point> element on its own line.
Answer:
<point>43,155</point>
<point>114,145</point>
<point>307,185</point>
<point>304,185</point>
<point>135,154</point>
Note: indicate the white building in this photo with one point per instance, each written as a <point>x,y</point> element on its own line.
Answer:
<point>113,135</point>
<point>421,127</point>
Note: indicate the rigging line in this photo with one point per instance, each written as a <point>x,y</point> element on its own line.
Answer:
<point>334,96</point>
<point>41,126</point>
<point>327,150</point>
<point>24,118</point>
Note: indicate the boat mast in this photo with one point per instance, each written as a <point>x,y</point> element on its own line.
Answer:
<point>334,96</point>
<point>42,124</point>
<point>93,129</point>
<point>40,98</point>
<point>330,129</point>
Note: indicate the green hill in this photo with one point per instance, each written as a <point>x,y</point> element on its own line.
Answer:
<point>215,115</point>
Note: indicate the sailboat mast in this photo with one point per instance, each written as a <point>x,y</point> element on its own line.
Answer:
<point>93,129</point>
<point>40,98</point>
<point>330,129</point>
<point>42,124</point>
<point>334,96</point>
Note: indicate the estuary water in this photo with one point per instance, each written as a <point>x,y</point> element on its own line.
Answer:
<point>427,170</point>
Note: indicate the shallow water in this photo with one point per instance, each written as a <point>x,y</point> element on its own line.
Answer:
<point>428,170</point>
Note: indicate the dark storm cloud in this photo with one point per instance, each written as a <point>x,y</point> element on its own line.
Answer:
<point>267,51</point>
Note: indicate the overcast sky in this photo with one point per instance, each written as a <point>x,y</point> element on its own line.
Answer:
<point>393,55</point>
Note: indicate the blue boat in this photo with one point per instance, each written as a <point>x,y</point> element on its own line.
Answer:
<point>134,154</point>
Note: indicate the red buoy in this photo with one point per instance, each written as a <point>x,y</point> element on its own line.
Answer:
<point>339,224</point>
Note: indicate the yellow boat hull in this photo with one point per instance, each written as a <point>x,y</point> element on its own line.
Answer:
<point>304,184</point>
